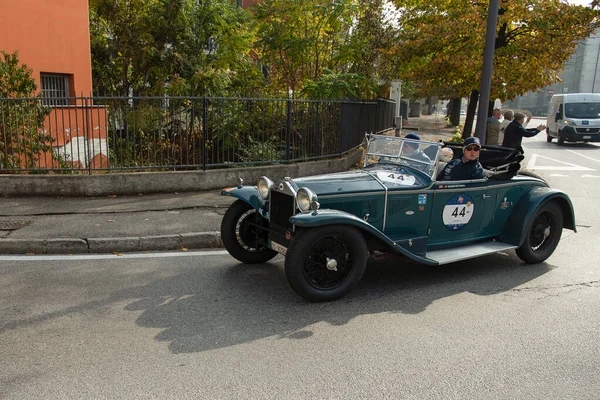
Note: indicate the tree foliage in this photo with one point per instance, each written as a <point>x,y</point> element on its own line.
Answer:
<point>171,46</point>
<point>21,116</point>
<point>441,46</point>
<point>323,47</point>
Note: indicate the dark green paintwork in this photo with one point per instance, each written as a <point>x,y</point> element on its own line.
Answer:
<point>524,211</point>
<point>502,209</point>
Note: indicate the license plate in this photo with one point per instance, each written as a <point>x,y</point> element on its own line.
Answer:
<point>278,248</point>
<point>587,137</point>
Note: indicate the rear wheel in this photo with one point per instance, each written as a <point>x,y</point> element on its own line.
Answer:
<point>542,235</point>
<point>244,234</point>
<point>324,263</point>
<point>548,137</point>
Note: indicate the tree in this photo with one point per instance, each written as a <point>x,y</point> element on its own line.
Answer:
<point>21,116</point>
<point>323,47</point>
<point>171,46</point>
<point>297,39</point>
<point>442,43</point>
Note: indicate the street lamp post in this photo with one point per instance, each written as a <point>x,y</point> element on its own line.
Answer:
<point>486,73</point>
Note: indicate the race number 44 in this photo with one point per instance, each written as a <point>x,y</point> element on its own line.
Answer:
<point>458,211</point>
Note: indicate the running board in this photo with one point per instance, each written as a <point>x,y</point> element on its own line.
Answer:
<point>465,252</point>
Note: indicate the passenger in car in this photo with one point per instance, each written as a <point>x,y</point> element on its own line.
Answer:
<point>411,150</point>
<point>466,167</point>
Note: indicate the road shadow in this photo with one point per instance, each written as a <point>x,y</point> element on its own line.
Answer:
<point>224,305</point>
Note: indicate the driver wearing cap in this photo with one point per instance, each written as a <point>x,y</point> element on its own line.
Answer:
<point>466,167</point>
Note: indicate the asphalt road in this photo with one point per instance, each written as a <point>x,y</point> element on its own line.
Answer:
<point>201,325</point>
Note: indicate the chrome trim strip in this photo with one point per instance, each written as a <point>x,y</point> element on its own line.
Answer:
<point>488,187</point>
<point>432,189</point>
<point>385,200</point>
<point>334,196</point>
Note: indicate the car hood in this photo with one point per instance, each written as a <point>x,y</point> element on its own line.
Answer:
<point>360,181</point>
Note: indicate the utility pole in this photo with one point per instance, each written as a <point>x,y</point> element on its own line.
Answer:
<point>486,73</point>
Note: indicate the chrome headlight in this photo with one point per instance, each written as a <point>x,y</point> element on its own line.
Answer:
<point>305,198</point>
<point>263,186</point>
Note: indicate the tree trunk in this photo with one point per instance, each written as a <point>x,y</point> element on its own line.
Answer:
<point>473,99</point>
<point>454,111</point>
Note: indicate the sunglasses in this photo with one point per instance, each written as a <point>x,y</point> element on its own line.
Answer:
<point>472,148</point>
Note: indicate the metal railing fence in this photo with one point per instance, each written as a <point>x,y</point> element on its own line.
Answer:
<point>112,133</point>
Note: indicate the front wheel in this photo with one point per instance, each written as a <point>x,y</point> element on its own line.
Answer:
<point>244,234</point>
<point>324,263</point>
<point>560,139</point>
<point>542,235</point>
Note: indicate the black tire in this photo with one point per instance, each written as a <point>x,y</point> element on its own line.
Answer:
<point>242,234</point>
<point>542,234</point>
<point>560,139</point>
<point>306,262</point>
<point>548,138</point>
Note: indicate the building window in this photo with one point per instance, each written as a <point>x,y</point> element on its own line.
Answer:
<point>55,89</point>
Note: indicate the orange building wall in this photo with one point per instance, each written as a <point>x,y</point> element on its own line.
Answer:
<point>248,3</point>
<point>51,36</point>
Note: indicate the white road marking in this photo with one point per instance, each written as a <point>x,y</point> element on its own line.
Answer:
<point>590,176</point>
<point>569,167</point>
<point>584,156</point>
<point>111,256</point>
<point>561,175</point>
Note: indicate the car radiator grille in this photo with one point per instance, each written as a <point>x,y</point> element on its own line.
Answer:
<point>282,207</point>
<point>588,131</point>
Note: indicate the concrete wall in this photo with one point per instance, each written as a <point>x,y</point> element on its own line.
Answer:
<point>162,182</point>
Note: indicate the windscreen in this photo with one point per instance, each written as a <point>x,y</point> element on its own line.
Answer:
<point>582,110</point>
<point>416,154</point>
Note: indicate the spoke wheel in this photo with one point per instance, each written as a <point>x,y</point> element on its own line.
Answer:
<point>245,235</point>
<point>543,234</point>
<point>324,263</point>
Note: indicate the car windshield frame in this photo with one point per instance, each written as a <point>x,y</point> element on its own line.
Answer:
<point>401,151</point>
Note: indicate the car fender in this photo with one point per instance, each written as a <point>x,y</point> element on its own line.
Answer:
<point>523,213</point>
<point>336,217</point>
<point>249,194</point>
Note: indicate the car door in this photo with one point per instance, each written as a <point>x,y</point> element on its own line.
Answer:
<point>461,211</point>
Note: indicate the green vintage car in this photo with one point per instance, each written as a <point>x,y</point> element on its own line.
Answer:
<point>327,226</point>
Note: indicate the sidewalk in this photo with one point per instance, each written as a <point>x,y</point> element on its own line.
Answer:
<point>149,222</point>
<point>43,225</point>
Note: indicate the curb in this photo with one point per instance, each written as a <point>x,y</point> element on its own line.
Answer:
<point>192,240</point>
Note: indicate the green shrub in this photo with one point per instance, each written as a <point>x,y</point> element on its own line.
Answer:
<point>21,116</point>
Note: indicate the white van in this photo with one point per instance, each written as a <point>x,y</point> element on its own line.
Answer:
<point>574,118</point>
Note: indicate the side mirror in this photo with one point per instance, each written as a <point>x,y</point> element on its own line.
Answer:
<point>558,116</point>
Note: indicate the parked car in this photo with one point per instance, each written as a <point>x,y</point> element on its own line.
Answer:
<point>574,117</point>
<point>326,226</point>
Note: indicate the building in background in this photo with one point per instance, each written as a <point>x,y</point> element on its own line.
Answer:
<point>52,38</point>
<point>581,75</point>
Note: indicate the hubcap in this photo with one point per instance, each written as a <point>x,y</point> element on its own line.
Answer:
<point>542,231</point>
<point>331,264</point>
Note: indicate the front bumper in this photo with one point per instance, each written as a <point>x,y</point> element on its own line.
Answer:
<point>581,134</point>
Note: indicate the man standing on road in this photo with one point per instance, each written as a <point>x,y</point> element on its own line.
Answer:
<point>493,128</point>
<point>514,132</point>
<point>508,117</point>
